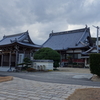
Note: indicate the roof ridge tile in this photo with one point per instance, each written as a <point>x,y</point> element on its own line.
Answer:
<point>14,35</point>
<point>70,31</point>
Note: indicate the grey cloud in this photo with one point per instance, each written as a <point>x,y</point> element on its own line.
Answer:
<point>50,14</point>
<point>83,12</point>
<point>20,12</point>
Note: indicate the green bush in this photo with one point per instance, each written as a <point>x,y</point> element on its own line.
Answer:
<point>48,54</point>
<point>26,62</point>
<point>95,64</point>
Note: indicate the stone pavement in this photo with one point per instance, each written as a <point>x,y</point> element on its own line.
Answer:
<point>23,89</point>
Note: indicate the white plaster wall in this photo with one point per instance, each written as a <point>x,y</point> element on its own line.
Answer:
<point>48,65</point>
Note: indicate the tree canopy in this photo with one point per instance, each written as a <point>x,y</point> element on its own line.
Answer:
<point>48,54</point>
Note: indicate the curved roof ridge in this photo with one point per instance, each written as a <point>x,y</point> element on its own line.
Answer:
<point>14,35</point>
<point>66,32</point>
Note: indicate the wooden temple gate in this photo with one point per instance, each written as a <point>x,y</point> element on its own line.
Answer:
<point>12,57</point>
<point>14,48</point>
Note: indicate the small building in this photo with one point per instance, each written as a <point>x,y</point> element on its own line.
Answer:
<point>14,48</point>
<point>70,45</point>
<point>91,50</point>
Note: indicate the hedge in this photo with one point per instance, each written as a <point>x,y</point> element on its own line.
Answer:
<point>95,64</point>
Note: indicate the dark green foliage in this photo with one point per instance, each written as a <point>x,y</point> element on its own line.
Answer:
<point>26,62</point>
<point>95,64</point>
<point>48,54</point>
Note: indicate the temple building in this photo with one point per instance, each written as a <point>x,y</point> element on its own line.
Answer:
<point>14,48</point>
<point>70,45</point>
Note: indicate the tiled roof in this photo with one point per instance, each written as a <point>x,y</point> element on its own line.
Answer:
<point>68,39</point>
<point>12,38</point>
<point>19,38</point>
<point>30,45</point>
<point>92,49</point>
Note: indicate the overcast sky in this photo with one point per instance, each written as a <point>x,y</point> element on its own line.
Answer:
<point>40,17</point>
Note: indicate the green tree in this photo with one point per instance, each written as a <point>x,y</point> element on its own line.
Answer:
<point>48,54</point>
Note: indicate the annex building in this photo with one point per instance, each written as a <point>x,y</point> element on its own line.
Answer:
<point>14,48</point>
<point>70,45</point>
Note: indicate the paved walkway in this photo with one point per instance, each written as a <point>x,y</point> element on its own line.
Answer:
<point>55,77</point>
<point>23,89</point>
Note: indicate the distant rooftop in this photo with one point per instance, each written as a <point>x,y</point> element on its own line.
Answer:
<point>79,38</point>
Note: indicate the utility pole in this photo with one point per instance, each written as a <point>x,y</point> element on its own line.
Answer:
<point>97,37</point>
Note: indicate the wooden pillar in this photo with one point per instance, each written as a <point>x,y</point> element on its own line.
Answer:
<point>2,60</point>
<point>60,59</point>
<point>30,53</point>
<point>16,50</point>
<point>73,54</point>
<point>33,51</point>
<point>65,53</point>
<point>73,59</point>
<point>10,59</point>
<point>16,58</point>
<point>24,52</point>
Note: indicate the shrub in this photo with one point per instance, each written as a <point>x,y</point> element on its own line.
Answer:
<point>48,54</point>
<point>26,62</point>
<point>31,69</point>
<point>95,64</point>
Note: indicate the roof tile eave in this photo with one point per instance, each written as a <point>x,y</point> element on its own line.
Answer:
<point>30,45</point>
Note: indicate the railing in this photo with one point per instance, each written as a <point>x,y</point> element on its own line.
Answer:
<point>74,60</point>
<point>74,63</point>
